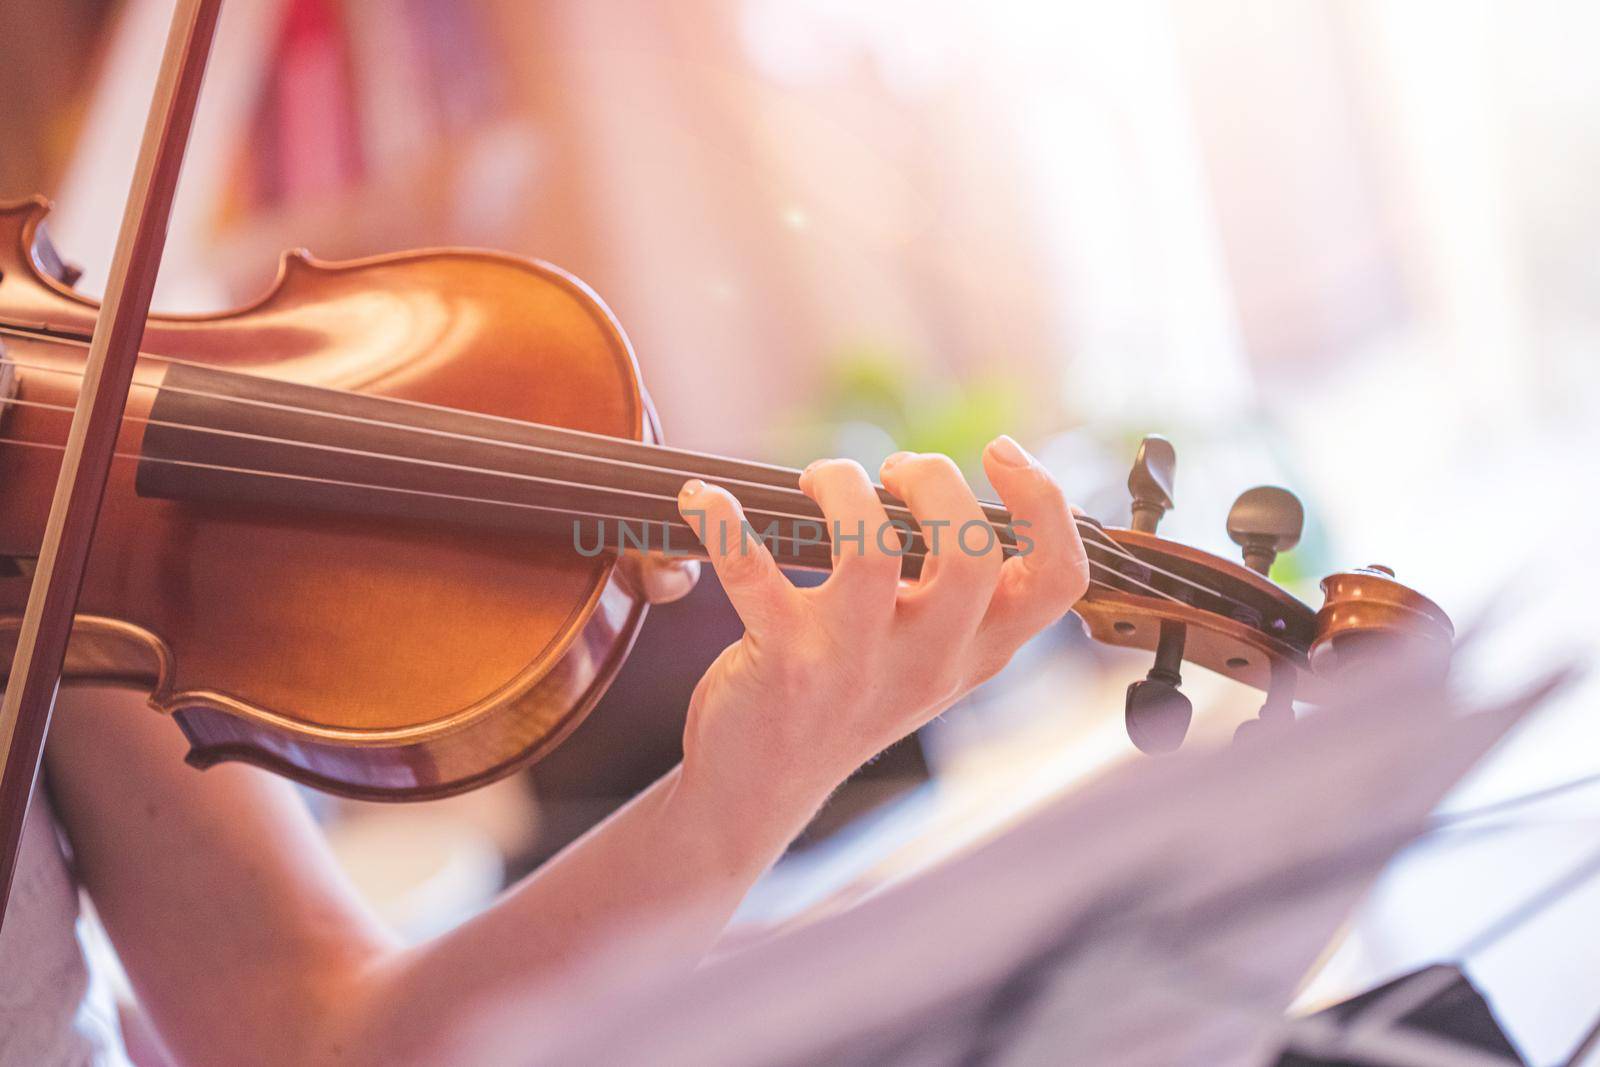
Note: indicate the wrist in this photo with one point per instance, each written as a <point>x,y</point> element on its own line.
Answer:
<point>750,818</point>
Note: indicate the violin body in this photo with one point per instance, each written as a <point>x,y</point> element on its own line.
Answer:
<point>372,660</point>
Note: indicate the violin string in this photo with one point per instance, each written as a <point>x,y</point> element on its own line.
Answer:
<point>897,511</point>
<point>463,498</point>
<point>994,511</point>
<point>1097,539</point>
<point>313,446</point>
<point>523,505</point>
<point>516,504</point>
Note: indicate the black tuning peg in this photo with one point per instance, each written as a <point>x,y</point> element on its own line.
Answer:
<point>1264,521</point>
<point>1278,709</point>
<point>1157,714</point>
<point>1155,468</point>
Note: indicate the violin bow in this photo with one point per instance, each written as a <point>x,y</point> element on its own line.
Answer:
<point>118,332</point>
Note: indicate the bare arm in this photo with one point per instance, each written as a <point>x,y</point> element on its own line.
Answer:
<point>245,945</point>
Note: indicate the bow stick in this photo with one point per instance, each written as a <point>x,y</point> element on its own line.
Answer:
<point>53,598</point>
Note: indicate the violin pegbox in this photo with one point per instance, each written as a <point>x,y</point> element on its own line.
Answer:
<point>1190,606</point>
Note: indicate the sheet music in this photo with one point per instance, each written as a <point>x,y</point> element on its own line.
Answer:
<point>1165,915</point>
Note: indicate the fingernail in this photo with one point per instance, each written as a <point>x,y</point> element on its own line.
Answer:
<point>1010,453</point>
<point>893,460</point>
<point>691,489</point>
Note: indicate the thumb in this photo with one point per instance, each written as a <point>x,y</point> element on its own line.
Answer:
<point>659,579</point>
<point>759,592</point>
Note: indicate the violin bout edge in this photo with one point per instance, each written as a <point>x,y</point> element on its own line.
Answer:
<point>459,750</point>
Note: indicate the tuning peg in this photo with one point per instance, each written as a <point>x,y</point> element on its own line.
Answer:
<point>1157,714</point>
<point>1264,521</point>
<point>1155,468</point>
<point>1278,709</point>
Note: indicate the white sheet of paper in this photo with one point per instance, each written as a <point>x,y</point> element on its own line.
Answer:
<point>1164,915</point>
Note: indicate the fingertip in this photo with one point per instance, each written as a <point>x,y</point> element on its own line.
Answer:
<point>711,511</point>
<point>705,495</point>
<point>1012,469</point>
<point>693,501</point>
<point>805,476</point>
<point>852,470</point>
<point>1005,451</point>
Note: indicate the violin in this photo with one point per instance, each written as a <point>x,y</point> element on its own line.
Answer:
<point>363,531</point>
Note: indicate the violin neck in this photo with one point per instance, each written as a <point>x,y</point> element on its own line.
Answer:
<point>226,437</point>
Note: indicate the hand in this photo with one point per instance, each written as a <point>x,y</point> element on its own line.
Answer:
<point>825,678</point>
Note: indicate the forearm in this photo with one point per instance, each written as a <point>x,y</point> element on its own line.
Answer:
<point>662,875</point>
<point>246,945</point>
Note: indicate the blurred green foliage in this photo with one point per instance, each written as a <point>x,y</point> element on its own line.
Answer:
<point>916,409</point>
<point>873,399</point>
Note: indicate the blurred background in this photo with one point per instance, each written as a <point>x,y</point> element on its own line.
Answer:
<point>1347,246</point>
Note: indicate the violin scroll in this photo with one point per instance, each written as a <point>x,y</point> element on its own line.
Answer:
<point>1369,618</point>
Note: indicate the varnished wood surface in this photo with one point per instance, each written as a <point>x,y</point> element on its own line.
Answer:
<point>296,640</point>
<point>1230,649</point>
<point>1366,611</point>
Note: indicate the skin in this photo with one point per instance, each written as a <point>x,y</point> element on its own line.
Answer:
<point>245,945</point>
